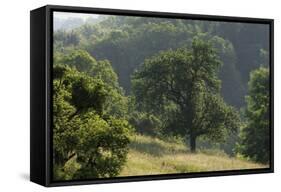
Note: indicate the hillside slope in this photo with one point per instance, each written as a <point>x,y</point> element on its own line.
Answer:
<point>150,156</point>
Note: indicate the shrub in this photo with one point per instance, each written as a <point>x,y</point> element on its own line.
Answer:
<point>145,123</point>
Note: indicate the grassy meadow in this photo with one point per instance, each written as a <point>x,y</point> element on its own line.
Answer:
<point>150,156</point>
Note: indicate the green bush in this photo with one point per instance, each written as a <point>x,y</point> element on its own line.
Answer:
<point>90,139</point>
<point>145,123</point>
<point>255,135</point>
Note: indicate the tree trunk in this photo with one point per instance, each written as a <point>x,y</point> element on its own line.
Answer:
<point>192,143</point>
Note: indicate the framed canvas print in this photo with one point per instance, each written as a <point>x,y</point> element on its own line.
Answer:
<point>121,95</point>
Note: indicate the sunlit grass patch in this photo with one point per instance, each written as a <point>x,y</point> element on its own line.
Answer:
<point>153,156</point>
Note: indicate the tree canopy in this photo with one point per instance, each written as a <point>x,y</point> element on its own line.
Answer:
<point>255,142</point>
<point>90,140</point>
<point>187,79</point>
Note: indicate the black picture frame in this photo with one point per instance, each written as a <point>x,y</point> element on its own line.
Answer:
<point>41,55</point>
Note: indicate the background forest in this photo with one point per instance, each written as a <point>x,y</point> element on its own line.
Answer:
<point>142,96</point>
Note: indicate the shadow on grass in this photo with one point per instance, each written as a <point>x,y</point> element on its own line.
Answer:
<point>154,148</point>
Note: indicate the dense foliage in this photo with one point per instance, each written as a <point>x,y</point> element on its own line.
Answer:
<point>90,136</point>
<point>256,135</point>
<point>127,41</point>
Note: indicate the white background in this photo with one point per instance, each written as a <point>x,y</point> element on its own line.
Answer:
<point>14,95</point>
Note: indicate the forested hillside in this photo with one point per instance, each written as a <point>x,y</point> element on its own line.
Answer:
<point>127,41</point>
<point>141,95</point>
